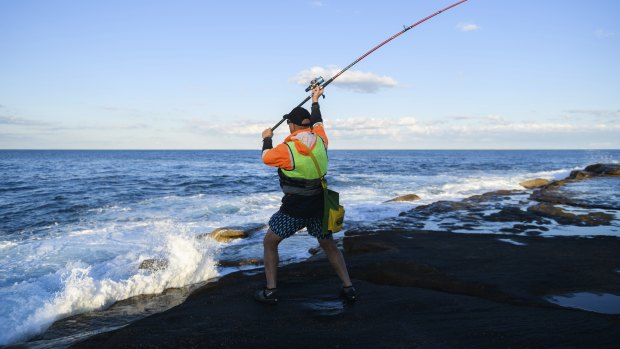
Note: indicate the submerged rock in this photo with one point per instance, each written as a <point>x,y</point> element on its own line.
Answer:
<point>602,192</point>
<point>153,264</point>
<point>514,214</point>
<point>315,250</point>
<point>534,183</point>
<point>227,234</point>
<point>408,197</point>
<point>562,217</point>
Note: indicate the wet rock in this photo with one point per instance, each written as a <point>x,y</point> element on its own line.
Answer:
<point>534,183</point>
<point>596,170</point>
<point>509,214</point>
<point>227,234</point>
<point>502,192</point>
<point>408,197</point>
<point>604,169</point>
<point>510,230</point>
<point>514,214</point>
<point>530,226</point>
<point>153,264</point>
<point>600,192</point>
<point>550,195</point>
<point>566,218</point>
<point>580,174</point>
<point>314,250</point>
<point>435,282</point>
<point>492,196</point>
<point>353,245</point>
<point>240,263</point>
<point>444,207</point>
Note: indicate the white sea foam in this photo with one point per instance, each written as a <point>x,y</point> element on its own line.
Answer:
<point>7,244</point>
<point>512,242</point>
<point>86,272</point>
<point>93,263</point>
<point>552,175</point>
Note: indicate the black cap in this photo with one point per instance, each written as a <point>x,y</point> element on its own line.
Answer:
<point>297,116</point>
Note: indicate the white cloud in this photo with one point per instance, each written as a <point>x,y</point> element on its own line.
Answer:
<point>238,128</point>
<point>358,81</point>
<point>604,34</point>
<point>317,3</point>
<point>467,27</point>
<point>404,127</point>
<point>600,113</point>
<point>12,120</point>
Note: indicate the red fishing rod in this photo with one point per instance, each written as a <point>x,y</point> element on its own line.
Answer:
<point>319,81</point>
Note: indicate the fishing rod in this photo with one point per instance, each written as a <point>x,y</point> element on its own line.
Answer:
<point>320,82</point>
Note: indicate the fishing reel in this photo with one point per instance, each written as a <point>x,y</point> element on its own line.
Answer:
<point>315,82</point>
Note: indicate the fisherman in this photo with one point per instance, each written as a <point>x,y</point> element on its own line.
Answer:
<point>302,204</point>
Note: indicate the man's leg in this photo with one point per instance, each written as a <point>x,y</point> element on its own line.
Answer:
<point>271,258</point>
<point>336,259</point>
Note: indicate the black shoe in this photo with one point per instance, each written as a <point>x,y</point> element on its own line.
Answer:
<point>266,295</point>
<point>349,294</point>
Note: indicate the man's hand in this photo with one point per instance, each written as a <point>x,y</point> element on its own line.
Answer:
<point>317,92</point>
<point>268,133</point>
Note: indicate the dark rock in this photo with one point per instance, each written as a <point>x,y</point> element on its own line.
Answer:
<point>153,264</point>
<point>315,250</point>
<point>408,197</point>
<point>438,290</point>
<point>444,206</point>
<point>502,192</point>
<point>599,191</point>
<point>604,169</point>
<point>521,228</point>
<point>370,245</point>
<point>510,230</point>
<point>580,174</point>
<point>513,214</point>
<point>240,263</point>
<point>562,217</point>
<point>550,195</point>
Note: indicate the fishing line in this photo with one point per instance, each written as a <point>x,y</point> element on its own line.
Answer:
<point>319,81</point>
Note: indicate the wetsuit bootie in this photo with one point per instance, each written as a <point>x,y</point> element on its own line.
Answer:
<point>349,294</point>
<point>266,295</point>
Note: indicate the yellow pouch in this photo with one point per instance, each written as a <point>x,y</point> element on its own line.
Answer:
<point>335,219</point>
<point>333,212</point>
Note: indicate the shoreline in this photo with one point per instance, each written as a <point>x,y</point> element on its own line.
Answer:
<point>417,289</point>
<point>396,243</point>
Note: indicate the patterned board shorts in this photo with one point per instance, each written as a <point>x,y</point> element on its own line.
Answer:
<point>284,226</point>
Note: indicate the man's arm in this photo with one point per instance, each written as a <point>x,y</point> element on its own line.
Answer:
<point>315,110</point>
<point>316,119</point>
<point>267,142</point>
<point>280,156</point>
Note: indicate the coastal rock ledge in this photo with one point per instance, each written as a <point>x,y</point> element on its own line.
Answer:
<point>423,286</point>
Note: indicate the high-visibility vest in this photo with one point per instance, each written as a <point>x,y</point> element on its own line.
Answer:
<point>304,179</point>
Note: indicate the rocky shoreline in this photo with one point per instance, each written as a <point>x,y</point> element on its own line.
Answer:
<point>422,286</point>
<point>417,289</point>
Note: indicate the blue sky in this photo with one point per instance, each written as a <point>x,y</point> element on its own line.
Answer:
<point>488,74</point>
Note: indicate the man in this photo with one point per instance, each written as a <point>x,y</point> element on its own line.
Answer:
<point>302,204</point>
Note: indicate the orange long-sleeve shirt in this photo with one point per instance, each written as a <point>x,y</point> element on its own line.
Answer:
<point>281,156</point>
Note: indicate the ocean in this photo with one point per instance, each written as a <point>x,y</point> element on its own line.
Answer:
<point>75,225</point>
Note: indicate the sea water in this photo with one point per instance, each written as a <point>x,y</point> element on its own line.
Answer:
<point>75,225</point>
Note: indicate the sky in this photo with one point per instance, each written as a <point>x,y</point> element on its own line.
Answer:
<point>148,74</point>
